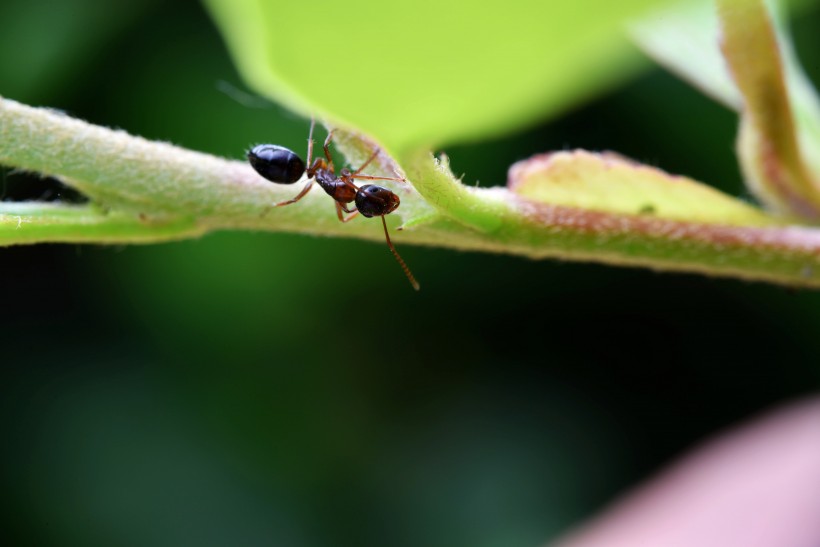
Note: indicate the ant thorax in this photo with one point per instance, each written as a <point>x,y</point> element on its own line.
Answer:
<point>339,189</point>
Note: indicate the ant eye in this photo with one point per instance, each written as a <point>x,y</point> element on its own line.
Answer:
<point>276,163</point>
<point>375,201</point>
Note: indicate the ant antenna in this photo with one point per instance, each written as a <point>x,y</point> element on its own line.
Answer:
<point>404,267</point>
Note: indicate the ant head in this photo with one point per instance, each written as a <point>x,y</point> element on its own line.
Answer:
<point>376,201</point>
<point>276,163</point>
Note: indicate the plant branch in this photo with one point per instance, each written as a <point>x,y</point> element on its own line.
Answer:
<point>144,191</point>
<point>34,222</point>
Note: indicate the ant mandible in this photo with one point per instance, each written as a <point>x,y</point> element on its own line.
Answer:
<point>283,166</point>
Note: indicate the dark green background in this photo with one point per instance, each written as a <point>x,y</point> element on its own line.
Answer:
<point>273,389</point>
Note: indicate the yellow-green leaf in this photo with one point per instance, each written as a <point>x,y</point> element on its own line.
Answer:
<point>756,73</point>
<point>611,183</point>
<point>768,144</point>
<point>423,73</point>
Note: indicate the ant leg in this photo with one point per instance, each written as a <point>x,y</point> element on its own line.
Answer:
<point>341,209</point>
<point>326,146</point>
<point>370,177</point>
<point>393,250</point>
<point>356,175</point>
<point>365,164</point>
<point>299,196</point>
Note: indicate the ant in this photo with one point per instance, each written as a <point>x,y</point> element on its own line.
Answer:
<point>283,166</point>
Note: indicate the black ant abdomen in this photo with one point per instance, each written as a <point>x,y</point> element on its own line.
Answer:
<point>376,201</point>
<point>276,163</point>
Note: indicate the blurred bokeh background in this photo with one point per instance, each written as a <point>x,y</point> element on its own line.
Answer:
<point>274,389</point>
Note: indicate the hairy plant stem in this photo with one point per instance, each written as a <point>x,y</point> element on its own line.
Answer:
<point>143,191</point>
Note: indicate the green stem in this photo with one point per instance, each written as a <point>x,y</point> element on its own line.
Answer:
<point>34,222</point>
<point>148,191</point>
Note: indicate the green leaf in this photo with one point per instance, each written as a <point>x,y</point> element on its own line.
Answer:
<point>423,73</point>
<point>768,145</point>
<point>779,143</point>
<point>683,37</point>
<point>609,182</point>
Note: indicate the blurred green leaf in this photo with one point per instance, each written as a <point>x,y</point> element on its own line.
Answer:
<point>683,37</point>
<point>420,74</point>
<point>779,144</point>
<point>769,144</point>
